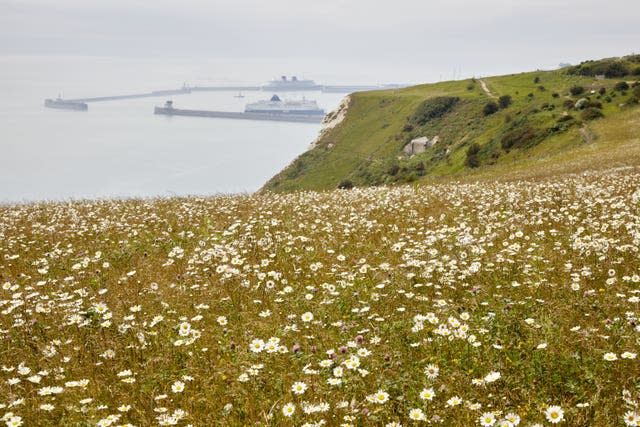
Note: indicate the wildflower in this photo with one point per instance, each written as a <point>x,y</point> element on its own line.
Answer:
<point>380,397</point>
<point>417,414</point>
<point>177,387</point>
<point>513,418</point>
<point>554,414</point>
<point>257,345</point>
<point>492,377</point>
<point>454,401</point>
<point>427,394</point>
<point>631,418</point>
<point>14,421</point>
<point>299,387</point>
<point>610,357</point>
<point>431,371</point>
<point>487,419</point>
<point>222,320</point>
<point>288,409</point>
<point>307,317</point>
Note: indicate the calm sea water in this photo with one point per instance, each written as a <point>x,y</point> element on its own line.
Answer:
<point>121,149</point>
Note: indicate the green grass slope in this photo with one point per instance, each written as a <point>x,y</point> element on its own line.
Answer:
<point>534,123</point>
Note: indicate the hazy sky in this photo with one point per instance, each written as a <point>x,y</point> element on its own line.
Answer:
<point>472,37</point>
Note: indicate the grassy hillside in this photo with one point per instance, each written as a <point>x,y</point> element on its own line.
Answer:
<point>491,304</point>
<point>567,119</point>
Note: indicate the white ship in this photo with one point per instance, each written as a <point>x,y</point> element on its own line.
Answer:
<point>277,106</point>
<point>294,84</point>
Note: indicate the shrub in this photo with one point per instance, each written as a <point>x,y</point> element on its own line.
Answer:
<point>636,71</point>
<point>345,184</point>
<point>408,127</point>
<point>620,86</point>
<point>555,95</point>
<point>536,80</point>
<point>602,91</point>
<point>433,108</point>
<point>490,108</point>
<point>576,90</point>
<point>504,101</point>
<point>519,137</point>
<point>472,159</point>
<point>616,69</point>
<point>541,88</point>
<point>591,113</point>
<point>568,104</point>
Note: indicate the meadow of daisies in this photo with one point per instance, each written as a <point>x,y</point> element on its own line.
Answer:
<point>489,304</point>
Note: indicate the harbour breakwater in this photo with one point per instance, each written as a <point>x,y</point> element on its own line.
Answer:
<point>187,90</point>
<point>295,118</point>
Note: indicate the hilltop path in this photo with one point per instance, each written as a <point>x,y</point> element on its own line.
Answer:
<point>486,89</point>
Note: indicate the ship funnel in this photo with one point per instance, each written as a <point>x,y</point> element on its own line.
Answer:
<point>284,78</point>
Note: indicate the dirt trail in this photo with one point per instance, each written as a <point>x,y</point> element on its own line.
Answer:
<point>486,90</point>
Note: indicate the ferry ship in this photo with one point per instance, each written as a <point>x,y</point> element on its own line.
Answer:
<point>65,105</point>
<point>294,84</point>
<point>277,106</point>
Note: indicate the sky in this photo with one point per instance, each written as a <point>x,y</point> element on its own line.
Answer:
<point>454,38</point>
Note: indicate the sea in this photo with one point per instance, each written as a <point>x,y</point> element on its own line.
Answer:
<point>120,149</point>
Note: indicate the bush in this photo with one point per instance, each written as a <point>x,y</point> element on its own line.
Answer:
<point>345,184</point>
<point>536,80</point>
<point>576,90</point>
<point>555,95</point>
<point>602,91</point>
<point>620,86</point>
<point>636,71</point>
<point>521,137</point>
<point>433,108</point>
<point>591,113</point>
<point>568,104</point>
<point>504,101</point>
<point>472,159</point>
<point>490,108</point>
<point>616,69</point>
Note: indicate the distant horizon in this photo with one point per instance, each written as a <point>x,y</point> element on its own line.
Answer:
<point>454,73</point>
<point>416,41</point>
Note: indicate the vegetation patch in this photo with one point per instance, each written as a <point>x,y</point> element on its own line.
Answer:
<point>520,137</point>
<point>433,108</point>
<point>591,113</point>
